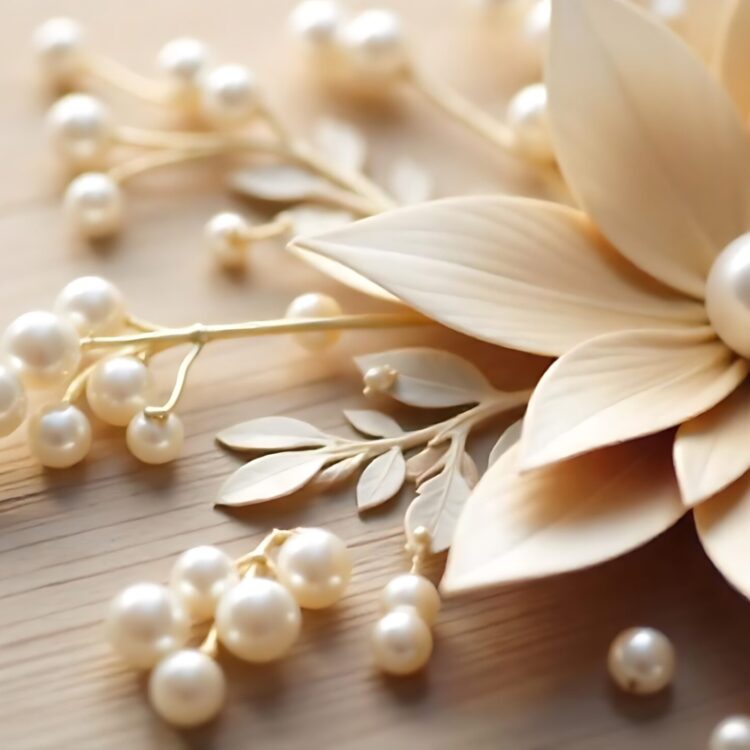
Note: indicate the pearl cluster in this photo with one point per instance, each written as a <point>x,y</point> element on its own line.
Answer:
<point>255,605</point>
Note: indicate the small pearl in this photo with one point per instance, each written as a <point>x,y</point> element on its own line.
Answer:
<point>669,11</point>
<point>118,389</point>
<point>226,237</point>
<point>187,688</point>
<point>380,378</point>
<point>731,734</point>
<point>258,620</point>
<point>229,95</point>
<point>43,348</point>
<point>59,47</point>
<point>146,622</point>
<point>155,440</point>
<point>181,63</point>
<point>642,661</point>
<point>401,642</point>
<point>200,577</point>
<point>411,590</point>
<point>315,305</point>
<point>316,566</point>
<point>527,117</point>
<point>80,128</point>
<point>13,401</point>
<point>94,206</point>
<point>536,24</point>
<point>59,436</point>
<point>316,22</point>
<point>93,305</point>
<point>374,43</point>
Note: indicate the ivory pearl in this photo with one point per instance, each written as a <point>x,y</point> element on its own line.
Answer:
<point>412,590</point>
<point>731,734</point>
<point>59,47</point>
<point>13,402</point>
<point>145,622</point>
<point>401,642</point>
<point>258,620</point>
<point>669,11</point>
<point>642,661</point>
<point>316,566</point>
<point>93,305</point>
<point>527,117</point>
<point>59,436</point>
<point>316,22</point>
<point>229,95</point>
<point>536,24</point>
<point>94,205</point>
<point>374,43</point>
<point>118,389</point>
<point>43,348</point>
<point>380,378</point>
<point>155,440</point>
<point>200,577</point>
<point>181,63</point>
<point>187,688</point>
<point>315,305</point>
<point>227,238</point>
<point>80,129</point>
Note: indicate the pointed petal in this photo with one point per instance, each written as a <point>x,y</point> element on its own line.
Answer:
<point>733,62</point>
<point>518,526</point>
<point>650,144</point>
<point>711,451</point>
<point>625,385</point>
<point>525,274</point>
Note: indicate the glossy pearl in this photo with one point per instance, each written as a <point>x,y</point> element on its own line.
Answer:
<point>93,305</point>
<point>731,734</point>
<point>527,118</point>
<point>227,239</point>
<point>146,622</point>
<point>43,348</point>
<point>229,95</point>
<point>59,48</point>
<point>181,63</point>
<point>401,642</point>
<point>412,590</point>
<point>669,11</point>
<point>536,24</point>
<point>258,620</point>
<point>118,389</point>
<point>316,22</point>
<point>94,206</point>
<point>13,402</point>
<point>315,305</point>
<point>187,688</point>
<point>642,661</point>
<point>59,436</point>
<point>80,129</point>
<point>374,43</point>
<point>316,566</point>
<point>728,295</point>
<point>380,378</point>
<point>155,440</point>
<point>200,577</point>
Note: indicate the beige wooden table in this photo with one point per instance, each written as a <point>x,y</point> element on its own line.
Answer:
<point>521,668</point>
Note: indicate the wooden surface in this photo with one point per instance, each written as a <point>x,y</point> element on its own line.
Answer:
<point>521,668</point>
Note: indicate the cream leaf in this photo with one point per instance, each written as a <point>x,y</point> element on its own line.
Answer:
<point>507,440</point>
<point>284,183</point>
<point>373,423</point>
<point>272,434</point>
<point>409,182</point>
<point>469,470</point>
<point>424,461</point>
<point>338,472</point>
<point>733,61</point>
<point>341,142</point>
<point>382,479</point>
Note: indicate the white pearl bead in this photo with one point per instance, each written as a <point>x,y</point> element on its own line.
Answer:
<point>316,566</point>
<point>258,620</point>
<point>669,11</point>
<point>229,95</point>
<point>200,577</point>
<point>374,43</point>
<point>181,63</point>
<point>226,237</point>
<point>118,389</point>
<point>728,295</point>
<point>315,305</point>
<point>731,734</point>
<point>187,688</point>
<point>80,128</point>
<point>536,24</point>
<point>59,47</point>
<point>42,347</point>
<point>59,436</point>
<point>93,305</point>
<point>380,378</point>
<point>94,206</point>
<point>316,22</point>
<point>13,401</point>
<point>155,440</point>
<point>401,642</point>
<point>527,117</point>
<point>146,622</point>
<point>411,590</point>
<point>641,661</point>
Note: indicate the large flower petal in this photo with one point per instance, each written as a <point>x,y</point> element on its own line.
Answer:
<point>734,54</point>
<point>711,451</point>
<point>625,385</point>
<point>650,144</point>
<point>522,273</point>
<point>518,526</point>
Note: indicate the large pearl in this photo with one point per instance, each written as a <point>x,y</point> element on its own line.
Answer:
<point>728,295</point>
<point>374,43</point>
<point>187,688</point>
<point>258,620</point>
<point>81,129</point>
<point>155,440</point>
<point>93,305</point>
<point>527,117</point>
<point>315,305</point>
<point>401,642</point>
<point>13,402</point>
<point>642,661</point>
<point>731,734</point>
<point>229,95</point>
<point>181,63</point>
<point>146,622</point>
<point>59,436</point>
<point>59,47</point>
<point>316,566</point>
<point>94,206</point>
<point>43,348</point>
<point>412,590</point>
<point>118,389</point>
<point>200,577</point>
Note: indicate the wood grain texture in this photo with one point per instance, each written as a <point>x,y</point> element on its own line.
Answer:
<point>522,668</point>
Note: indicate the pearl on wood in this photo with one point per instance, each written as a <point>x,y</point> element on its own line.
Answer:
<point>374,44</point>
<point>412,590</point>
<point>93,305</point>
<point>187,688</point>
<point>641,661</point>
<point>94,205</point>
<point>200,577</point>
<point>401,642</point>
<point>258,620</point>
<point>181,63</point>
<point>80,129</point>
<point>59,436</point>
<point>155,440</point>
<point>13,402</point>
<point>316,566</point>
<point>118,389</point>
<point>315,305</point>
<point>42,347</point>
<point>316,22</point>
<point>527,117</point>
<point>229,95</point>
<point>731,734</point>
<point>59,47</point>
<point>227,238</point>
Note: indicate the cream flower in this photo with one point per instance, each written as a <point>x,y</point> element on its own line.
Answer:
<point>644,296</point>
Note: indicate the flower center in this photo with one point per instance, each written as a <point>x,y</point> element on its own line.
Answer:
<point>728,295</point>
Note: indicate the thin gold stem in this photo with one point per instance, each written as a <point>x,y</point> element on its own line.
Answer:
<point>162,411</point>
<point>129,169</point>
<point>210,645</point>
<point>267,231</point>
<point>110,71</point>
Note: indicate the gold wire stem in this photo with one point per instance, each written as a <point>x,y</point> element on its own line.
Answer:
<point>267,231</point>
<point>419,545</point>
<point>112,72</point>
<point>210,645</point>
<point>145,163</point>
<point>162,411</point>
<point>129,135</point>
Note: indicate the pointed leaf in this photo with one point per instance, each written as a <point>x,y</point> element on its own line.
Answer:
<point>341,142</point>
<point>734,54</point>
<point>469,470</point>
<point>381,480</point>
<point>272,434</point>
<point>279,182</point>
<point>409,182</point>
<point>338,472</point>
<point>423,462</point>
<point>507,440</point>
<point>373,423</point>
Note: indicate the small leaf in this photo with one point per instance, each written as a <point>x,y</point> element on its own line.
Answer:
<point>338,472</point>
<point>381,480</point>
<point>507,440</point>
<point>430,378</point>
<point>373,423</point>
<point>272,434</point>
<point>341,142</point>
<point>424,461</point>
<point>269,477</point>
<point>469,470</point>
<point>280,182</point>
<point>409,182</point>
